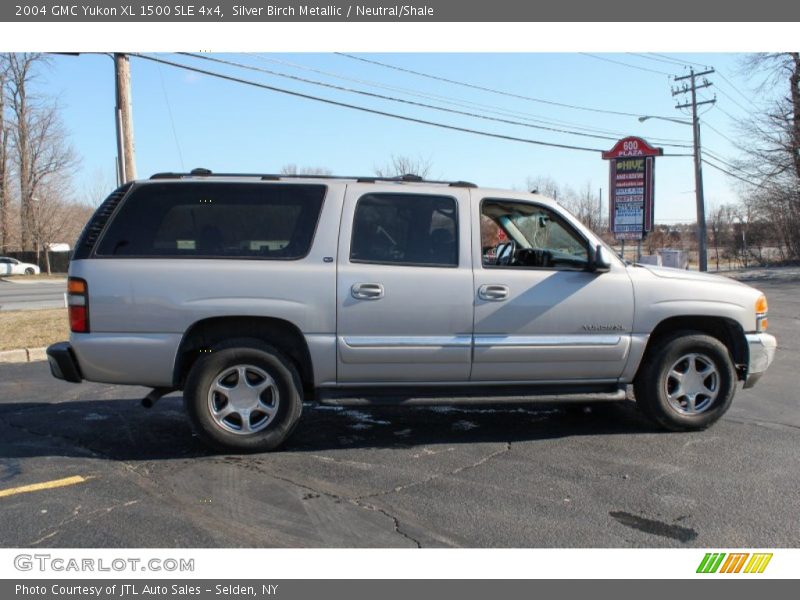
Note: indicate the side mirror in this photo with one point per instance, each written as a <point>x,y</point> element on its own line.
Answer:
<point>598,261</point>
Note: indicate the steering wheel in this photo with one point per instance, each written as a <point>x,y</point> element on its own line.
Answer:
<point>505,253</point>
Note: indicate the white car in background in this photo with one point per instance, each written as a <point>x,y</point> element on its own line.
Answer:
<point>11,266</point>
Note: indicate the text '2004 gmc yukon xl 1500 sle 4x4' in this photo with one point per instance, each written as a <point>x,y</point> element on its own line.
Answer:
<point>254,293</point>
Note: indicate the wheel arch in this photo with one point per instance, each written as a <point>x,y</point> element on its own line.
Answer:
<point>204,335</point>
<point>726,330</point>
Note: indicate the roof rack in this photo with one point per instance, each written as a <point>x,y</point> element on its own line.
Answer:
<point>408,178</point>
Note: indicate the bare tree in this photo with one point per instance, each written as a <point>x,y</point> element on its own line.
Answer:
<point>771,159</point>
<point>98,188</point>
<point>585,204</point>
<point>39,140</point>
<point>58,218</point>
<point>718,224</point>
<point>404,165</point>
<point>546,186</point>
<point>5,190</point>
<point>293,169</point>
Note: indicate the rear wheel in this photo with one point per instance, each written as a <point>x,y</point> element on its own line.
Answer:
<point>687,381</point>
<point>244,396</point>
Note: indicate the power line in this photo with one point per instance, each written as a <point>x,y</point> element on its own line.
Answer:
<point>710,164</point>
<point>719,133</point>
<point>486,89</point>
<point>727,114</point>
<point>732,99</point>
<point>728,164</point>
<point>401,100</point>
<point>653,58</point>
<point>718,159</point>
<point>361,108</point>
<point>738,91</point>
<point>171,118</point>
<point>680,62</point>
<point>713,155</point>
<point>491,109</point>
<point>624,64</point>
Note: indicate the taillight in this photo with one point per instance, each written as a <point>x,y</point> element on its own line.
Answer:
<point>78,303</point>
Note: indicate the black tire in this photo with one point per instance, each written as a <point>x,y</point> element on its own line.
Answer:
<point>259,358</point>
<point>659,392</point>
<point>30,271</point>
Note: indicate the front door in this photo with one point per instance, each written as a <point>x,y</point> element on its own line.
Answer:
<point>540,315</point>
<point>404,286</point>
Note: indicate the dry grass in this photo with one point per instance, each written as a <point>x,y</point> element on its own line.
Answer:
<point>41,277</point>
<point>32,328</point>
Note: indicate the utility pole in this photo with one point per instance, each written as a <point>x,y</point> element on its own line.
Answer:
<point>126,157</point>
<point>692,88</point>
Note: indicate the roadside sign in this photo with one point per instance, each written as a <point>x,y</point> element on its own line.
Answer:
<point>631,187</point>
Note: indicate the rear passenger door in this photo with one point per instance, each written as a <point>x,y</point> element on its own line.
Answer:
<point>404,288</point>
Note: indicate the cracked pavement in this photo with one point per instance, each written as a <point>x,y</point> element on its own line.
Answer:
<point>509,476</point>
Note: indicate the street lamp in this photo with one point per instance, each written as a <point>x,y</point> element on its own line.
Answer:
<point>681,121</point>
<point>694,123</point>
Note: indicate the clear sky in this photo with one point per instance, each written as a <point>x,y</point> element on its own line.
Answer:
<point>184,120</point>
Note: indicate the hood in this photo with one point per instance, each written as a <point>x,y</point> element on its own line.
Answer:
<point>670,273</point>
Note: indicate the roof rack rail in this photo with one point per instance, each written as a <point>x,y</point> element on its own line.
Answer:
<point>407,178</point>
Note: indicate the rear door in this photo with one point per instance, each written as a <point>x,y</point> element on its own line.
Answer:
<point>404,285</point>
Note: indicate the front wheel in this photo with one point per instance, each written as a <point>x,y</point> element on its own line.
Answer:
<point>687,382</point>
<point>30,271</point>
<point>244,396</point>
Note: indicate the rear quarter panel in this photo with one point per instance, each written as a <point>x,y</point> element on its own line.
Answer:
<point>140,308</point>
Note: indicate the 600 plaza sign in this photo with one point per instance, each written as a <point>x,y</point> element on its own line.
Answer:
<point>631,183</point>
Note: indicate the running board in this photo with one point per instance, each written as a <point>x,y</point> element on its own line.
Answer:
<point>356,397</point>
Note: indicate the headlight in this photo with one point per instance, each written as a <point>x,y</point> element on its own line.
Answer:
<point>761,313</point>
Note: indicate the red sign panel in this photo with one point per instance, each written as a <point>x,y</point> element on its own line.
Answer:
<point>632,146</point>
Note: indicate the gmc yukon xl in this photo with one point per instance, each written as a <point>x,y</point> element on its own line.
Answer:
<point>255,293</point>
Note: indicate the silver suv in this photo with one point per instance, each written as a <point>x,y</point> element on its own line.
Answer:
<point>253,293</point>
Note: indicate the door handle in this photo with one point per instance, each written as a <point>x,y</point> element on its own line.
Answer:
<point>493,293</point>
<point>367,291</point>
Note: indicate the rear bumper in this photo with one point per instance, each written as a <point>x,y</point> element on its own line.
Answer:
<point>62,362</point>
<point>762,352</point>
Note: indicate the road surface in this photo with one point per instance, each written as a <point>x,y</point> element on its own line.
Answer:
<point>32,295</point>
<point>519,476</point>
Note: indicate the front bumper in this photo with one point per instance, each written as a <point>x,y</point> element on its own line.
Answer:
<point>762,352</point>
<point>62,362</point>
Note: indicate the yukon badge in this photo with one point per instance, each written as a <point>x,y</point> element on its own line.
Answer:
<point>603,327</point>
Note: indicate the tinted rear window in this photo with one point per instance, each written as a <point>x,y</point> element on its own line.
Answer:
<point>215,220</point>
<point>405,229</point>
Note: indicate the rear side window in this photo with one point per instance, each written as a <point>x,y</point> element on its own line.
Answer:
<point>215,220</point>
<point>405,229</point>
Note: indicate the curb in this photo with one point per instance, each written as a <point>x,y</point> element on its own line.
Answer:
<point>23,355</point>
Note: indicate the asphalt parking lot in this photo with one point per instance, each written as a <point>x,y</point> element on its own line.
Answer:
<point>515,476</point>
